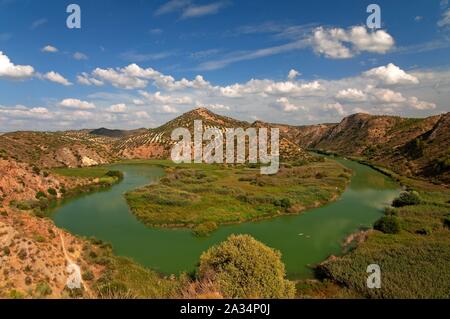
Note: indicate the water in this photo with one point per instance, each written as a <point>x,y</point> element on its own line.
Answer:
<point>303,240</point>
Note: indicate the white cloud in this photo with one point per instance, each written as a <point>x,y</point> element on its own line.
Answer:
<point>391,75</point>
<point>85,79</point>
<point>22,112</point>
<point>286,106</point>
<point>351,95</point>
<point>80,56</point>
<point>171,6</point>
<point>195,11</point>
<point>50,49</point>
<point>334,107</point>
<point>415,103</point>
<point>9,70</point>
<point>118,108</point>
<point>445,19</point>
<point>338,43</point>
<point>142,114</point>
<point>293,74</point>
<point>166,99</point>
<point>189,9</point>
<point>169,109</point>
<point>214,106</point>
<point>77,104</point>
<point>57,78</point>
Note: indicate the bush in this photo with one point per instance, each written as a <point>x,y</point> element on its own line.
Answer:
<point>117,174</point>
<point>447,221</point>
<point>43,289</point>
<point>204,229</point>
<point>242,267</point>
<point>52,191</point>
<point>407,199</point>
<point>387,225</point>
<point>425,231</point>
<point>285,203</point>
<point>88,275</point>
<point>36,170</point>
<point>40,195</point>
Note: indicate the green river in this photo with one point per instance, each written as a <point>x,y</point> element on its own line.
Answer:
<point>304,239</point>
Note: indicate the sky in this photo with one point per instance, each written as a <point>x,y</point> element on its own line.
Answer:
<point>140,63</point>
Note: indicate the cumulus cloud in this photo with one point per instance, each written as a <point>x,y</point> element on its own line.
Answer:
<point>351,95</point>
<point>49,49</point>
<point>286,106</point>
<point>57,78</point>
<point>168,109</point>
<point>77,104</point>
<point>338,43</point>
<point>118,108</point>
<point>22,112</point>
<point>134,77</point>
<point>334,107</point>
<point>293,74</point>
<point>9,70</point>
<point>391,75</point>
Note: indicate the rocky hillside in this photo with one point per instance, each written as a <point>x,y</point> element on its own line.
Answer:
<point>56,149</point>
<point>157,143</point>
<point>406,145</point>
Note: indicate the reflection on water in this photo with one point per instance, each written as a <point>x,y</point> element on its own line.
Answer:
<point>304,239</point>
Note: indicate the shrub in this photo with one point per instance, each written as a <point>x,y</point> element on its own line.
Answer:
<point>117,174</point>
<point>387,225</point>
<point>425,231</point>
<point>14,294</point>
<point>40,195</point>
<point>6,251</point>
<point>52,191</point>
<point>4,213</point>
<point>36,170</point>
<point>22,254</point>
<point>242,267</point>
<point>285,203</point>
<point>447,221</point>
<point>407,199</point>
<point>204,229</point>
<point>43,289</point>
<point>88,275</point>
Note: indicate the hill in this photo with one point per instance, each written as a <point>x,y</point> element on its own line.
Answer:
<point>157,143</point>
<point>409,146</point>
<point>116,133</point>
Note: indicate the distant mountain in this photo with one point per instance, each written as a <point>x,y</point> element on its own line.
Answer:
<point>116,133</point>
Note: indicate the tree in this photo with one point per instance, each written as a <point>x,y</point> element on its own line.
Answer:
<point>242,267</point>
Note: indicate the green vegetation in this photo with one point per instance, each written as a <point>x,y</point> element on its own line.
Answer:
<point>407,199</point>
<point>204,197</point>
<point>87,172</point>
<point>415,262</point>
<point>242,267</point>
<point>43,289</point>
<point>387,225</point>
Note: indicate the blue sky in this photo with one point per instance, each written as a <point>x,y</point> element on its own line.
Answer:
<point>139,63</point>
